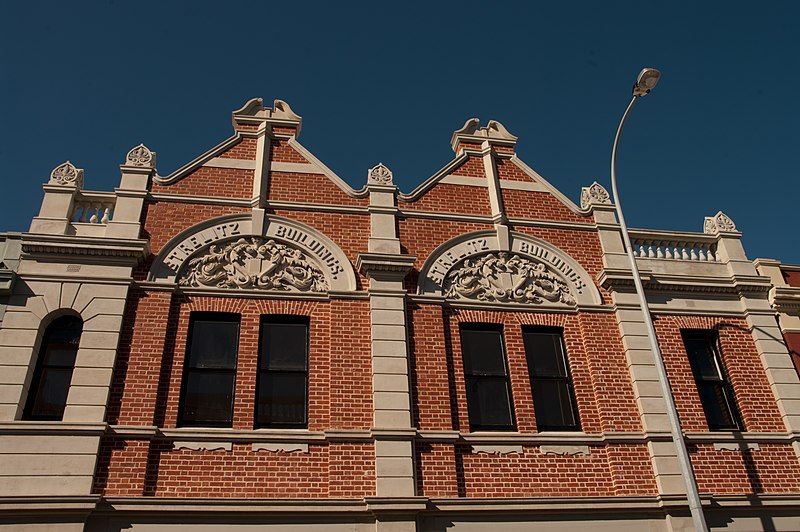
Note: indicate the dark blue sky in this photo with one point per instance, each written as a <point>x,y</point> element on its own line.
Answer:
<point>378,82</point>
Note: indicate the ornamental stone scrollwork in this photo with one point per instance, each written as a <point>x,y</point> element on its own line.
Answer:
<point>254,263</point>
<point>595,194</point>
<point>380,174</point>
<point>719,223</point>
<point>67,175</point>
<point>506,277</point>
<point>141,156</point>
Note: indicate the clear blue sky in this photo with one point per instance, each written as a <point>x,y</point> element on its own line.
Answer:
<point>374,82</point>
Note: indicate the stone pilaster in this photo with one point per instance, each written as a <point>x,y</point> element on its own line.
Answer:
<point>386,268</point>
<point>60,191</point>
<point>641,362</point>
<point>138,169</point>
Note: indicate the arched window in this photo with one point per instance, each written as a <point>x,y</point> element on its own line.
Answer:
<point>48,392</point>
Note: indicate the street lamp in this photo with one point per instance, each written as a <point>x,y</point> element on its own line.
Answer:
<point>647,80</point>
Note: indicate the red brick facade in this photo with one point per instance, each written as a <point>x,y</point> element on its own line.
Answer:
<point>146,453</point>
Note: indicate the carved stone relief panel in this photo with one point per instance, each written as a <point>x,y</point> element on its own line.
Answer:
<point>253,263</point>
<point>474,267</point>
<point>229,252</point>
<point>506,277</point>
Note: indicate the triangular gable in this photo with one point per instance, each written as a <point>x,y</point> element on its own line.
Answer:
<point>472,141</point>
<point>252,120</point>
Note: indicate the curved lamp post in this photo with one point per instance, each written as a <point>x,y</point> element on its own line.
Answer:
<point>646,81</point>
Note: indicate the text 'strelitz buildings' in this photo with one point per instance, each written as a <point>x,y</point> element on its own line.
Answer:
<point>250,343</point>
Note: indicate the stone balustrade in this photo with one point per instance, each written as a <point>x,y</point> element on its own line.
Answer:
<point>674,246</point>
<point>93,208</point>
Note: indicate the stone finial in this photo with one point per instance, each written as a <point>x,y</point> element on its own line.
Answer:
<point>379,175</point>
<point>281,109</point>
<point>719,223</point>
<point>496,130</point>
<point>492,131</point>
<point>469,127</point>
<point>66,174</point>
<point>250,108</point>
<point>595,194</point>
<point>141,156</point>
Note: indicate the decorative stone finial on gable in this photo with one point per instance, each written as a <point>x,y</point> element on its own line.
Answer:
<point>141,156</point>
<point>281,109</point>
<point>67,175</point>
<point>472,132</point>
<point>719,223</point>
<point>250,108</point>
<point>496,130</point>
<point>380,175</point>
<point>595,194</point>
<point>469,127</point>
<point>253,114</point>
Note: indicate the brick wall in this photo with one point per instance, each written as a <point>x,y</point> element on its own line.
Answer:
<point>140,468</point>
<point>743,365</point>
<point>773,468</point>
<point>147,384</point>
<point>147,378</point>
<point>446,470</point>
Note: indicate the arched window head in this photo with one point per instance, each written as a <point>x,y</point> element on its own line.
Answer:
<point>50,385</point>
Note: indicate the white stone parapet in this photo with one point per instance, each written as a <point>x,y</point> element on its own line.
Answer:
<point>674,246</point>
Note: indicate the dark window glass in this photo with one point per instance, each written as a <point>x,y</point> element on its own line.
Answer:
<point>209,373</point>
<point>551,384</point>
<point>486,374</point>
<point>716,393</point>
<point>47,396</point>
<point>283,372</point>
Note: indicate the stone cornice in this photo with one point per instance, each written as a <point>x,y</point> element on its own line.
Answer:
<point>126,251</point>
<point>785,298</point>
<point>614,279</point>
<point>506,307</point>
<point>579,505</point>
<point>371,263</point>
<point>7,278</point>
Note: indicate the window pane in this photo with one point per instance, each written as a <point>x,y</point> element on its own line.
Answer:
<point>65,330</point>
<point>61,355</point>
<point>209,397</point>
<point>284,346</point>
<point>281,398</point>
<point>488,403</point>
<point>701,357</point>
<point>553,404</point>
<point>51,397</point>
<point>716,405</point>
<point>483,352</point>
<point>213,344</point>
<point>544,353</point>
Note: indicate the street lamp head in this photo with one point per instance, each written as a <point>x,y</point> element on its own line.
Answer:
<point>648,78</point>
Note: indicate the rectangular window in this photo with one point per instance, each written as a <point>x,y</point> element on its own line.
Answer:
<point>715,391</point>
<point>209,373</point>
<point>551,384</point>
<point>282,387</point>
<point>486,373</point>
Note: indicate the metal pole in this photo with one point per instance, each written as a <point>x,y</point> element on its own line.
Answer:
<point>675,425</point>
